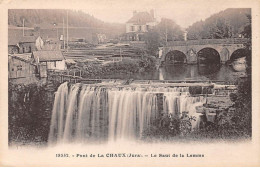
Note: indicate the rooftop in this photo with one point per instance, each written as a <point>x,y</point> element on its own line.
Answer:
<point>141,18</point>
<point>47,55</point>
<point>26,57</point>
<point>14,39</point>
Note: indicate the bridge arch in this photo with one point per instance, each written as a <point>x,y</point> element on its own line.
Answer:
<point>208,56</point>
<point>239,53</point>
<point>175,57</point>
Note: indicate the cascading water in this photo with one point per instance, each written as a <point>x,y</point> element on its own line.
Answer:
<point>104,112</point>
<point>58,113</point>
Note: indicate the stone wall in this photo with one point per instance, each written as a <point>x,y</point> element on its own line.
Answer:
<point>217,103</point>
<point>225,48</point>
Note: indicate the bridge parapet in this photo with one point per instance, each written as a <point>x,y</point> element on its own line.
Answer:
<point>191,48</point>
<point>208,41</point>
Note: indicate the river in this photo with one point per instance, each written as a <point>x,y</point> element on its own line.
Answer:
<point>184,72</point>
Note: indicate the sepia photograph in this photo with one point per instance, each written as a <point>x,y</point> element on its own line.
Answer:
<point>125,79</point>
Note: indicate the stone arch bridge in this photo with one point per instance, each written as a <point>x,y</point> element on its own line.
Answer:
<point>188,51</point>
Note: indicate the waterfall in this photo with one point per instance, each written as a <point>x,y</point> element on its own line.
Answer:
<point>105,112</point>
<point>130,112</point>
<point>71,113</point>
<point>58,114</point>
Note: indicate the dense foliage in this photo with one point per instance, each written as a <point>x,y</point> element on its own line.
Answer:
<point>167,30</point>
<point>226,24</point>
<point>35,17</point>
<point>125,67</point>
<point>29,113</point>
<point>168,126</point>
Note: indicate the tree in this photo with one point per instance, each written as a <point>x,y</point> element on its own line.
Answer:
<point>243,102</point>
<point>225,24</point>
<point>221,29</point>
<point>247,33</point>
<point>152,40</point>
<point>195,32</point>
<point>167,30</point>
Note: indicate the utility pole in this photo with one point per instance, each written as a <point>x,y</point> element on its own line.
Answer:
<point>121,55</point>
<point>55,27</point>
<point>63,29</point>
<point>23,27</point>
<point>58,33</point>
<point>67,30</point>
<point>166,33</point>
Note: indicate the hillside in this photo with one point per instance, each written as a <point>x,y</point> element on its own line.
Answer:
<point>48,17</point>
<point>53,19</point>
<point>225,24</point>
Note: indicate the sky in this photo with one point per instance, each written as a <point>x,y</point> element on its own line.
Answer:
<point>182,12</point>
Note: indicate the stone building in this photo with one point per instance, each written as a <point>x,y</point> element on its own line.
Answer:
<point>139,24</point>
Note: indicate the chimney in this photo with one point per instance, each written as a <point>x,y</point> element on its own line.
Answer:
<point>134,12</point>
<point>152,13</point>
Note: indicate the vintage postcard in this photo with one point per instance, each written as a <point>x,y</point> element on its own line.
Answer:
<point>129,83</point>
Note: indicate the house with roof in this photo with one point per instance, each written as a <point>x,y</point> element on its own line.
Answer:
<point>20,44</point>
<point>139,24</point>
<point>51,59</point>
<point>21,68</point>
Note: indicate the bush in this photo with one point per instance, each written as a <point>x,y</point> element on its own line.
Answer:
<point>124,67</point>
<point>127,66</point>
<point>168,126</point>
<point>243,105</point>
<point>235,122</point>
<point>91,70</point>
<point>148,63</point>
